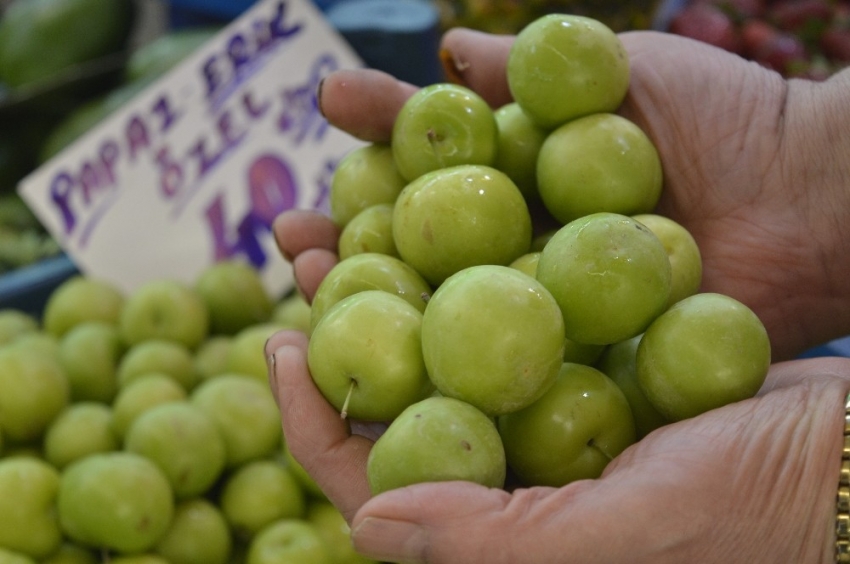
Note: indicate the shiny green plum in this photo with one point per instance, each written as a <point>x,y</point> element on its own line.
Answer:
<point>580,424</point>
<point>437,439</point>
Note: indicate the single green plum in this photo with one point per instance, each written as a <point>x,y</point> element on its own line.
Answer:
<point>365,356</point>
<point>365,176</point>
<point>564,66</point>
<point>598,163</point>
<point>440,126</point>
<point>520,140</point>
<point>706,351</point>
<point>581,423</point>
<point>370,231</point>
<point>493,337</point>
<point>461,216</point>
<point>609,274</point>
<point>437,439</point>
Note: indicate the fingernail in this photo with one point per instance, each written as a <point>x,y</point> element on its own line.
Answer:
<point>389,540</point>
<point>452,67</point>
<point>319,96</point>
<point>271,362</point>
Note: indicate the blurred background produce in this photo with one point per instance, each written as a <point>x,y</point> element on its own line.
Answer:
<point>796,38</point>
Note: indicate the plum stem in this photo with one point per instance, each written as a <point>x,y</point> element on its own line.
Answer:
<point>344,412</point>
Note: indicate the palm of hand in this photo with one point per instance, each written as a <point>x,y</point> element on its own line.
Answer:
<point>734,462</point>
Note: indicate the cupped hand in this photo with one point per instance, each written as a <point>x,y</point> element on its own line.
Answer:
<point>746,171</point>
<point>752,482</point>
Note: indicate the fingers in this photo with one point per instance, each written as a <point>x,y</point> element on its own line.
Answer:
<point>478,60</point>
<point>314,432</point>
<point>363,102</point>
<point>295,231</point>
<point>308,240</point>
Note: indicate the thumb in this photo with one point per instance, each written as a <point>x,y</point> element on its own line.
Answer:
<point>451,522</point>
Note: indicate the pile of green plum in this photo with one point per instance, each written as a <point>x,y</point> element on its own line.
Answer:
<point>506,301</point>
<point>140,429</point>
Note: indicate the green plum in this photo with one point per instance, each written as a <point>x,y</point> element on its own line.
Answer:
<point>89,353</point>
<point>259,493</point>
<point>162,356</point>
<point>370,231</point>
<point>235,296</point>
<point>28,490</point>
<point>141,394</point>
<point>493,336</point>
<point>598,163</point>
<point>369,271</point>
<point>437,439</point>
<point>366,176</point>
<point>609,274</point>
<point>83,428</point>
<point>443,125</point>
<point>706,351</point>
<point>527,263</point>
<point>82,298</point>
<point>245,414</point>
<point>288,541</point>
<point>198,534</point>
<point>14,323</point>
<point>165,309</point>
<point>461,216</point>
<point>571,433</point>
<point>365,356</point>
<point>564,66</point>
<point>33,391</point>
<point>183,442</point>
<point>684,253</point>
<point>619,362</point>
<point>117,500</point>
<point>210,358</point>
<point>520,140</point>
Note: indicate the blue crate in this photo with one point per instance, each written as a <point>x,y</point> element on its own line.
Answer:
<point>28,288</point>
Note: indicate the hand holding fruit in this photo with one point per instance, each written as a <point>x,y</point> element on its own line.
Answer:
<point>724,192</point>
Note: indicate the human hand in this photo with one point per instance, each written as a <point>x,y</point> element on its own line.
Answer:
<point>746,171</point>
<point>752,482</point>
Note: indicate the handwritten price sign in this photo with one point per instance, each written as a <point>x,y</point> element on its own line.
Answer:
<point>195,168</point>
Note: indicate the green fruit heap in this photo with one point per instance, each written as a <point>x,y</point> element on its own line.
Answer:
<point>511,280</point>
<point>140,428</point>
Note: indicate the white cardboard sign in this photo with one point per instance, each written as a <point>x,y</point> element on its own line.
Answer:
<point>195,168</point>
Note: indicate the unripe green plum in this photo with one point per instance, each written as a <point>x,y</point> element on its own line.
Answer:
<point>598,163</point>
<point>571,433</point>
<point>706,351</point>
<point>609,274</point>
<point>564,66</point>
<point>461,216</point>
<point>370,231</point>
<point>443,125</point>
<point>365,356</point>
<point>437,439</point>
<point>520,140</point>
<point>492,336</point>
<point>366,176</point>
<point>118,500</point>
